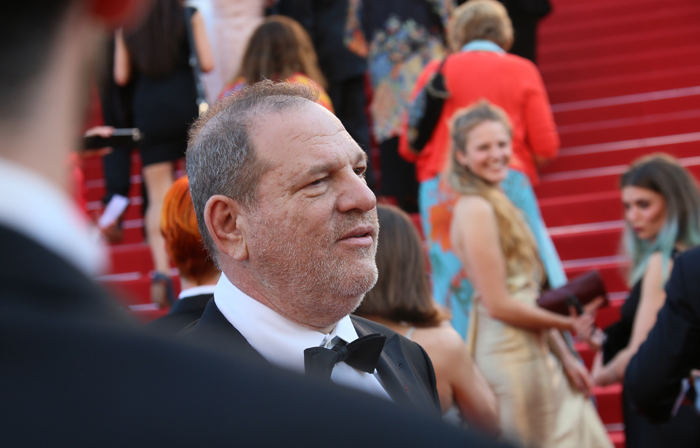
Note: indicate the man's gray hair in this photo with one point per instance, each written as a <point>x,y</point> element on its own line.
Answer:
<point>221,157</point>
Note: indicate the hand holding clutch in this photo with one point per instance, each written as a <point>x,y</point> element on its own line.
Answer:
<point>577,293</point>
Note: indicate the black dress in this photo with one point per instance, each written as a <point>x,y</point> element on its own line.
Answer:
<point>164,108</point>
<point>683,430</point>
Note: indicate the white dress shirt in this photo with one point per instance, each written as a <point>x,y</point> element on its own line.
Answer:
<point>282,342</point>
<point>196,291</point>
<point>42,212</point>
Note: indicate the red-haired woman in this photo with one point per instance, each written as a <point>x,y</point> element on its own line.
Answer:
<point>198,274</point>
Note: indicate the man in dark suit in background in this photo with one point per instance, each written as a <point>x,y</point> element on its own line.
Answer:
<point>72,371</point>
<point>672,349</point>
<point>282,204</point>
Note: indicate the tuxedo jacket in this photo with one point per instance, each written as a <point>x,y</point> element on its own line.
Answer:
<point>75,372</point>
<point>181,314</point>
<point>672,349</point>
<point>404,368</point>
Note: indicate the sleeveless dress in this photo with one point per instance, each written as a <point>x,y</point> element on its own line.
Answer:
<point>537,405</point>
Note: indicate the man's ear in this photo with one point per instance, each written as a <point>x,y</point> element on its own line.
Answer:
<point>224,219</point>
<point>116,13</point>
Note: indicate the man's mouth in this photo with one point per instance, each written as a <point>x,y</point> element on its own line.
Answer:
<point>361,235</point>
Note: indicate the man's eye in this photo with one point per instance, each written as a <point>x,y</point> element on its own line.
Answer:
<point>316,182</point>
<point>361,172</point>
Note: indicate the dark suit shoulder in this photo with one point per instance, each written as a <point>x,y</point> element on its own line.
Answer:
<point>683,287</point>
<point>183,313</point>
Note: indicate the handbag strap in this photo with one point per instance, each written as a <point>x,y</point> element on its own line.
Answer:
<point>194,62</point>
<point>431,89</point>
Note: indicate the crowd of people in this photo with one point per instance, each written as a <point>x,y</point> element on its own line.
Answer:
<point>288,287</point>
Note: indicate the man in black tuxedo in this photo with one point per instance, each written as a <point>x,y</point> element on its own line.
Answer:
<point>672,349</point>
<point>73,372</point>
<point>282,204</point>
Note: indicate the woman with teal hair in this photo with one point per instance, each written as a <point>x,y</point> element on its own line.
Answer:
<point>662,219</point>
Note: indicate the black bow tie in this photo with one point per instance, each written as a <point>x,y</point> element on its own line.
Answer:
<point>362,354</point>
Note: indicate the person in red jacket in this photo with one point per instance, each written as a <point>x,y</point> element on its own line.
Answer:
<point>480,68</point>
<point>480,33</point>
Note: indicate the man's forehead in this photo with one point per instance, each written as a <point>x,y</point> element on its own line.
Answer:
<point>311,133</point>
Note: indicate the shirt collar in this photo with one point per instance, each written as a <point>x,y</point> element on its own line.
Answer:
<point>278,339</point>
<point>483,45</point>
<point>38,209</point>
<point>197,291</point>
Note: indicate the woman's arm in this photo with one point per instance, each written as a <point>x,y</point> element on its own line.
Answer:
<point>122,60</point>
<point>472,394</point>
<point>575,371</point>
<point>475,239</point>
<point>651,300</point>
<point>201,42</point>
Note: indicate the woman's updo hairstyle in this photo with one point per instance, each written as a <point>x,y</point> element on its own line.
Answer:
<point>483,20</point>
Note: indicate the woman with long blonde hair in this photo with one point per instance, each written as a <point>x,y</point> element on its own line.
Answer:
<point>518,346</point>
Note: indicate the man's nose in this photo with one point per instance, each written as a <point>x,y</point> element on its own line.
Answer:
<point>356,195</point>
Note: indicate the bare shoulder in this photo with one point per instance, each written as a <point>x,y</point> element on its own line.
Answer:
<point>443,339</point>
<point>474,207</point>
<point>474,204</point>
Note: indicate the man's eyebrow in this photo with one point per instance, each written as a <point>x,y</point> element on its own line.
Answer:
<point>319,169</point>
<point>362,156</point>
<point>326,167</point>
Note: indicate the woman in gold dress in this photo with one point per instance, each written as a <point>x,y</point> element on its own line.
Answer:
<point>518,346</point>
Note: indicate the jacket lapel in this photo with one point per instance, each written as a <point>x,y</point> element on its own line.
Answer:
<point>396,374</point>
<point>214,330</point>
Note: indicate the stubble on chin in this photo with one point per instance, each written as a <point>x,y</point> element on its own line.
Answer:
<point>318,285</point>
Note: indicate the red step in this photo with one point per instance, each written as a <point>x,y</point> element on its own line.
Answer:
<point>609,400</point>
<point>574,24</point>
<point>575,89</point>
<point>607,45</point>
<point>581,209</point>
<point>669,123</point>
<point>623,152</point>
<point>626,106</point>
<point>594,180</point>
<point>588,244</point>
<point>130,258</point>
<point>133,288</point>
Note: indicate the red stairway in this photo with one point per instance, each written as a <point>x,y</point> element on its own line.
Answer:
<point>624,80</point>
